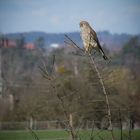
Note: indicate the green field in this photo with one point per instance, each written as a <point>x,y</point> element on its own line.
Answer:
<point>63,135</point>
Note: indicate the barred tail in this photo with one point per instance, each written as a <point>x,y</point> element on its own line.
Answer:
<point>103,54</point>
<point>105,57</point>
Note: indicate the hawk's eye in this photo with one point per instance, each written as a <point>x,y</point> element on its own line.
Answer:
<point>81,25</point>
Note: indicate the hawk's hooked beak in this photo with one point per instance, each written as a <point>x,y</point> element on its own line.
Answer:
<point>81,24</point>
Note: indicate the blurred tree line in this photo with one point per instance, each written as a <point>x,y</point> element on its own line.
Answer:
<point>75,80</point>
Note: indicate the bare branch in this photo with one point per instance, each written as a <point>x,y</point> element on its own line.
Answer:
<point>33,134</point>
<point>74,44</point>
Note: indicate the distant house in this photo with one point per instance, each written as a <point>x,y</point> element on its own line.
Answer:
<point>8,43</point>
<point>29,46</point>
<point>11,43</point>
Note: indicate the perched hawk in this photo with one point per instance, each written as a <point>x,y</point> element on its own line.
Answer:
<point>90,39</point>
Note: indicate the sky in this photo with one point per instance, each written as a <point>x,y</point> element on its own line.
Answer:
<point>59,16</point>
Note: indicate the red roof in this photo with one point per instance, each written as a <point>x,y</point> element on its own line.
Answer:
<point>29,46</point>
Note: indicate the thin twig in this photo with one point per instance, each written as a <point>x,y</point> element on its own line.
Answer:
<point>120,119</point>
<point>74,44</point>
<point>130,128</point>
<point>33,134</point>
<point>67,117</point>
<point>101,137</point>
<point>91,135</point>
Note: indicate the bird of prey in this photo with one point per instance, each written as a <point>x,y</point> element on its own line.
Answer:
<point>90,39</point>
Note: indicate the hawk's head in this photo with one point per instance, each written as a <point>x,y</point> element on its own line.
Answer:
<point>83,23</point>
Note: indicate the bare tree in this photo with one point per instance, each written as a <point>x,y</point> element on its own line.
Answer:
<point>72,43</point>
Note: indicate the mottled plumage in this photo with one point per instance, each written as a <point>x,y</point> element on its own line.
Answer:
<point>90,39</point>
